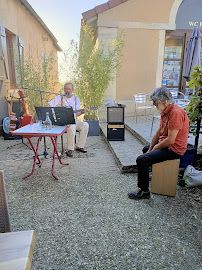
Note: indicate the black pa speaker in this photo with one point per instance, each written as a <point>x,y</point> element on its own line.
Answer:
<point>115,114</point>
<point>115,132</point>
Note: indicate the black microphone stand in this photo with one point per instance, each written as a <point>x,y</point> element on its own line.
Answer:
<point>20,120</point>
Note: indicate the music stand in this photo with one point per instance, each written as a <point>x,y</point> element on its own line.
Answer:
<point>59,116</point>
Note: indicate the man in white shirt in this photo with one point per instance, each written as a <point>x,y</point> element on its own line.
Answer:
<point>66,100</point>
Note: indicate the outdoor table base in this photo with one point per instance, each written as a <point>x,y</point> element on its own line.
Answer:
<point>36,157</point>
<point>30,131</point>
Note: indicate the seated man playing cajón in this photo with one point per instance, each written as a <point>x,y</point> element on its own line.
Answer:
<point>169,142</point>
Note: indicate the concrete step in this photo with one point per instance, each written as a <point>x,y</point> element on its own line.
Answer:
<point>124,152</point>
<point>137,135</point>
<point>142,130</point>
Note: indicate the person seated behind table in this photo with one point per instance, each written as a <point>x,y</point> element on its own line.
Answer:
<point>169,142</point>
<point>69,99</point>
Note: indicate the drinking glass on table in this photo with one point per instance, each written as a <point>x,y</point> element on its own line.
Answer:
<point>39,125</point>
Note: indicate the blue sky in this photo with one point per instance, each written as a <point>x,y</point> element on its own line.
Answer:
<point>63,17</point>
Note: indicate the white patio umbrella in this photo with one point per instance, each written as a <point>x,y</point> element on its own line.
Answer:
<point>193,59</point>
<point>193,53</point>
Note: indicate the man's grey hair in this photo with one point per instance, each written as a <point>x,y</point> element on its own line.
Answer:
<point>162,95</point>
<point>69,83</point>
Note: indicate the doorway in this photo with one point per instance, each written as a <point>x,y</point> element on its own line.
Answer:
<point>174,57</point>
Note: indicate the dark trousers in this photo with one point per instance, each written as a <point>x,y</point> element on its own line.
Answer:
<point>145,161</point>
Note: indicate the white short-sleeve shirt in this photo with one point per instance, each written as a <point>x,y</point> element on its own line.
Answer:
<point>63,101</point>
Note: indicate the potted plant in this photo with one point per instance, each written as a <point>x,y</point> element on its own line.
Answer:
<point>95,67</point>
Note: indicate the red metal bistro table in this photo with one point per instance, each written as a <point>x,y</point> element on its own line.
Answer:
<point>30,131</point>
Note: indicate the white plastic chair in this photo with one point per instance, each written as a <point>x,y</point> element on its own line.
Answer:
<point>182,102</point>
<point>177,94</point>
<point>142,103</point>
<point>180,99</point>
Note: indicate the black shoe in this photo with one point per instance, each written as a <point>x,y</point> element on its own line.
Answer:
<point>81,150</point>
<point>69,153</point>
<point>139,195</point>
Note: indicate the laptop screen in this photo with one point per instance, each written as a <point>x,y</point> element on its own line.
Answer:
<point>60,116</point>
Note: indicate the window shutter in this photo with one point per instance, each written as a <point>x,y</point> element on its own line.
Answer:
<point>3,53</point>
<point>21,49</point>
<point>21,57</point>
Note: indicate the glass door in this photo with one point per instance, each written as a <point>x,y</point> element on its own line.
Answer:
<point>172,63</point>
<point>175,52</point>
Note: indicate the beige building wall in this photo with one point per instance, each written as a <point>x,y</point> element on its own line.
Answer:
<point>104,35</point>
<point>138,72</point>
<point>20,22</point>
<point>144,23</point>
<point>156,11</point>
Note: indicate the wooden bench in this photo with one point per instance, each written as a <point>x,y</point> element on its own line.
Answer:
<point>164,177</point>
<point>16,248</point>
<point>4,215</point>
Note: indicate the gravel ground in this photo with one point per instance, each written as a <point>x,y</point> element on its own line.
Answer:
<point>86,221</point>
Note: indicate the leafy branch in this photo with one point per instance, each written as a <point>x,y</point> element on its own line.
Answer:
<point>36,75</point>
<point>194,108</point>
<point>93,66</point>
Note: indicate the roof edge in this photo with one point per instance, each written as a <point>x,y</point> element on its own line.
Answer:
<point>101,8</point>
